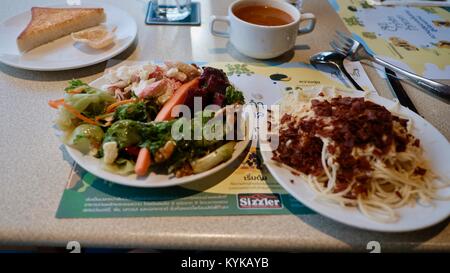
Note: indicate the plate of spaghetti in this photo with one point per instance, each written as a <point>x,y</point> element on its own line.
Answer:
<point>359,159</point>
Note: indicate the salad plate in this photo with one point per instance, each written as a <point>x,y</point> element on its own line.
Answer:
<point>64,53</point>
<point>153,179</point>
<point>418,215</point>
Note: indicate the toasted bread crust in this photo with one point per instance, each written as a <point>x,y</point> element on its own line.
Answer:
<point>53,23</point>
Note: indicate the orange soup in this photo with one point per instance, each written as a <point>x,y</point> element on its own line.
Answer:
<point>263,15</point>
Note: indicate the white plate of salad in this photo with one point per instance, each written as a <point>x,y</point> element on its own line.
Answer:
<point>120,127</point>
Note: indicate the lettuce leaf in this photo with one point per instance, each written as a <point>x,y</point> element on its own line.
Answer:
<point>232,96</point>
<point>91,103</point>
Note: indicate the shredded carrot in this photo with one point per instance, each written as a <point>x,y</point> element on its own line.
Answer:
<point>113,106</point>
<point>55,103</point>
<point>104,116</point>
<point>97,118</point>
<point>76,113</point>
<point>77,90</point>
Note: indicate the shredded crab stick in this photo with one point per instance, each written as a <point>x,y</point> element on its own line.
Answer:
<point>179,97</point>
<point>113,106</point>
<point>155,89</point>
<point>143,162</point>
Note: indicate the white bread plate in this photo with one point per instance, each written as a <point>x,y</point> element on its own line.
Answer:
<point>64,53</point>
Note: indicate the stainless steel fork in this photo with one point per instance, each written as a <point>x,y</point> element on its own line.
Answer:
<point>355,51</point>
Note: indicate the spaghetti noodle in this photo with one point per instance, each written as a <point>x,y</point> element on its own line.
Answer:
<point>356,153</point>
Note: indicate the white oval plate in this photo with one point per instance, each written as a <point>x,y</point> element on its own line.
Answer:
<point>436,149</point>
<point>94,165</point>
<point>64,53</point>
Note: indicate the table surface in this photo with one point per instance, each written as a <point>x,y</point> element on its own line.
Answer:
<point>34,167</point>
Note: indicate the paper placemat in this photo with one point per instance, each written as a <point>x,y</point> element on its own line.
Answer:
<point>414,38</point>
<point>246,191</point>
<point>243,189</point>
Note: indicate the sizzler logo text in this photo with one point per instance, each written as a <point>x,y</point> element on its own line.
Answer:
<point>259,201</point>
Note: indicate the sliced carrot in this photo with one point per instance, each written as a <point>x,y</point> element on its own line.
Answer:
<point>55,103</point>
<point>113,106</point>
<point>76,113</point>
<point>143,162</point>
<point>179,97</point>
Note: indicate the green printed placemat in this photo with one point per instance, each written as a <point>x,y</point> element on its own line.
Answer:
<point>87,196</point>
<point>243,188</point>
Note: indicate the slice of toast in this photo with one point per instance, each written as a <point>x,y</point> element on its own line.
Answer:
<point>48,24</point>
